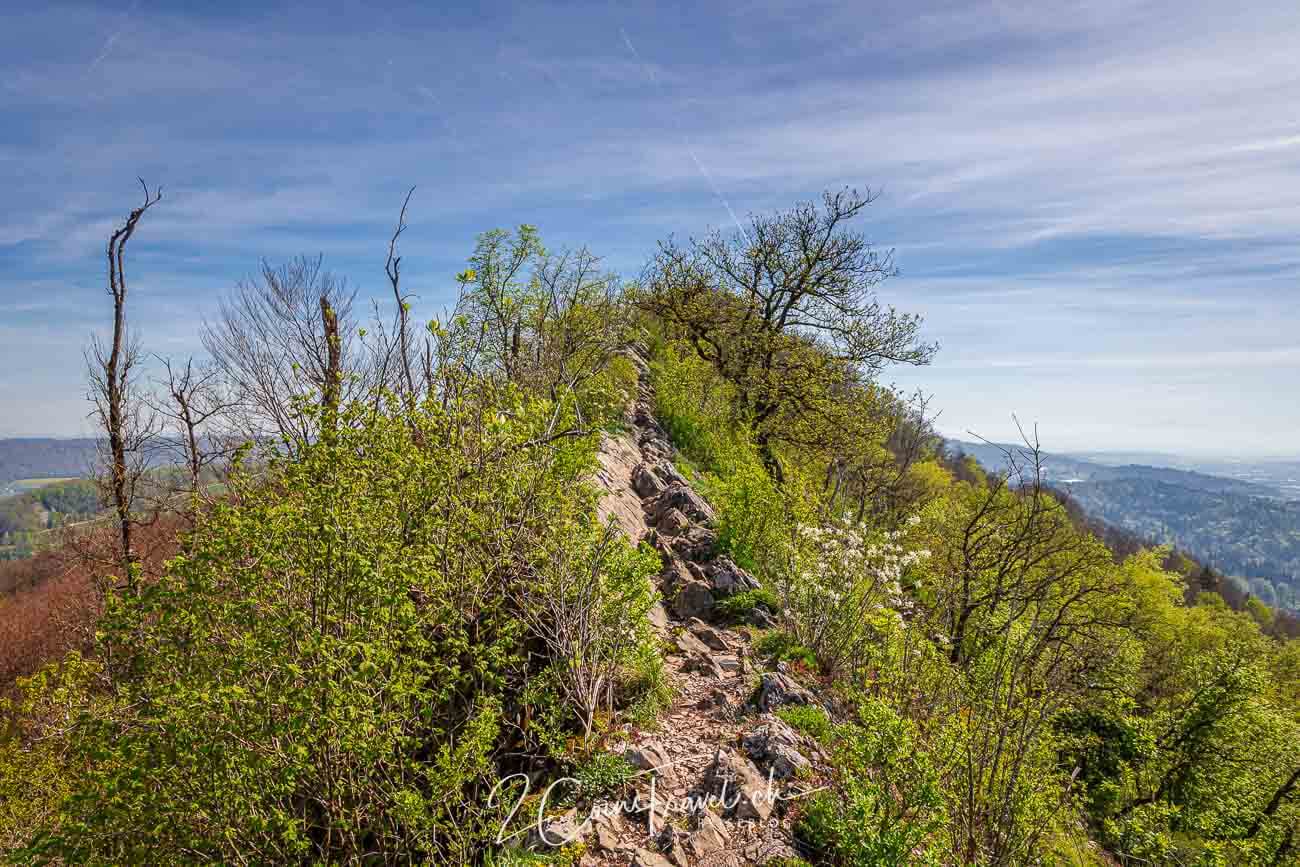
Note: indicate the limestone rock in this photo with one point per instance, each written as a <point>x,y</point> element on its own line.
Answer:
<point>768,849</point>
<point>609,832</point>
<point>673,846</point>
<point>650,756</point>
<point>645,416</point>
<point>695,543</point>
<point>729,664</point>
<point>618,456</point>
<point>557,831</point>
<point>658,617</point>
<point>775,745</point>
<point>776,689</point>
<point>717,698</point>
<point>711,837</point>
<point>673,522</point>
<point>676,573</point>
<point>688,644</point>
<point>704,663</point>
<point>707,634</point>
<point>727,578</point>
<point>692,599</point>
<point>646,482</point>
<point>679,495</point>
<point>740,786</point>
<point>646,858</point>
<point>668,471</point>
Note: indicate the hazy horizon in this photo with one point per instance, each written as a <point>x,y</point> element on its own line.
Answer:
<point>1096,216</point>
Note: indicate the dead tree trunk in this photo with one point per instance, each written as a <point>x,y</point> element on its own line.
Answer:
<point>333,370</point>
<point>393,268</point>
<point>110,386</point>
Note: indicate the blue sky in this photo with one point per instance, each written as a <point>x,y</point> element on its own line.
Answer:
<point>1096,207</point>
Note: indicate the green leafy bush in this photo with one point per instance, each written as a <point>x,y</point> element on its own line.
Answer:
<point>738,607</point>
<point>779,646</point>
<point>602,775</point>
<point>694,406</point>
<point>645,687</point>
<point>846,593</point>
<point>887,804</point>
<point>754,517</point>
<point>807,718</point>
<point>323,672</point>
<point>35,775</point>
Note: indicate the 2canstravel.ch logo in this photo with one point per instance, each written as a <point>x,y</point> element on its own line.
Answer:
<point>650,801</point>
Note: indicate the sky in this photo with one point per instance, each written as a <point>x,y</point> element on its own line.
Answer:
<point>1094,206</point>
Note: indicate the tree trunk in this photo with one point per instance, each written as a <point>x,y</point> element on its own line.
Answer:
<point>333,385</point>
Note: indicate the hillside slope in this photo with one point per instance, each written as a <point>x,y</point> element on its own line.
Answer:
<point>1238,527</point>
<point>1061,468</point>
<point>46,457</point>
<point>1241,535</point>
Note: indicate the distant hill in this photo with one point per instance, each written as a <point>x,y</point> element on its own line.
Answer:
<point>1237,526</point>
<point>1253,537</point>
<point>1061,469</point>
<point>44,457</point>
<point>1281,474</point>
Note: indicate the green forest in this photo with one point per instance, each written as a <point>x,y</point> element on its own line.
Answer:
<point>405,612</point>
<point>1241,535</point>
<point>26,518</point>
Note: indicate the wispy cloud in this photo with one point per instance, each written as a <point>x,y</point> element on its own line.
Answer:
<point>1107,191</point>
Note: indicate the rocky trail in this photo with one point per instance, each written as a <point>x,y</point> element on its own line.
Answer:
<point>719,772</point>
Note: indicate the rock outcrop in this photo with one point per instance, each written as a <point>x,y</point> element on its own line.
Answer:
<point>718,773</point>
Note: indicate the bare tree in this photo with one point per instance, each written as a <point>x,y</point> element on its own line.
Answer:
<point>192,401</point>
<point>393,268</point>
<point>332,390</point>
<point>274,344</point>
<point>126,420</point>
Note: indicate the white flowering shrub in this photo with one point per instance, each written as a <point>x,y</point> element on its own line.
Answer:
<point>846,591</point>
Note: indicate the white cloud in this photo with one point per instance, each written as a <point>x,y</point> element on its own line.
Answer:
<point>1009,137</point>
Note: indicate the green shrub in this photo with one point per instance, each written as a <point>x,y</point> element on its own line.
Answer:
<point>600,776</point>
<point>738,607</point>
<point>35,775</point>
<point>1143,834</point>
<point>780,646</point>
<point>808,719</point>
<point>694,406</point>
<point>887,804</point>
<point>322,673</point>
<point>754,520</point>
<point>645,685</point>
<point>587,602</point>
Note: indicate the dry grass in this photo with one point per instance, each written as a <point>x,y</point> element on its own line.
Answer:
<point>49,603</point>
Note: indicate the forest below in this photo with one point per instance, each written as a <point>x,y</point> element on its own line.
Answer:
<point>1244,529</point>
<point>380,609</point>
<point>1251,537</point>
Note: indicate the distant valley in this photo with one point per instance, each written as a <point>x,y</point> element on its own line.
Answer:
<point>1246,524</point>
<point>31,458</point>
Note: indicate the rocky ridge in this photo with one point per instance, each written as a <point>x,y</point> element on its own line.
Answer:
<point>719,772</point>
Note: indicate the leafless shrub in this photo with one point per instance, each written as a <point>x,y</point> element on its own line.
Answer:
<point>272,344</point>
